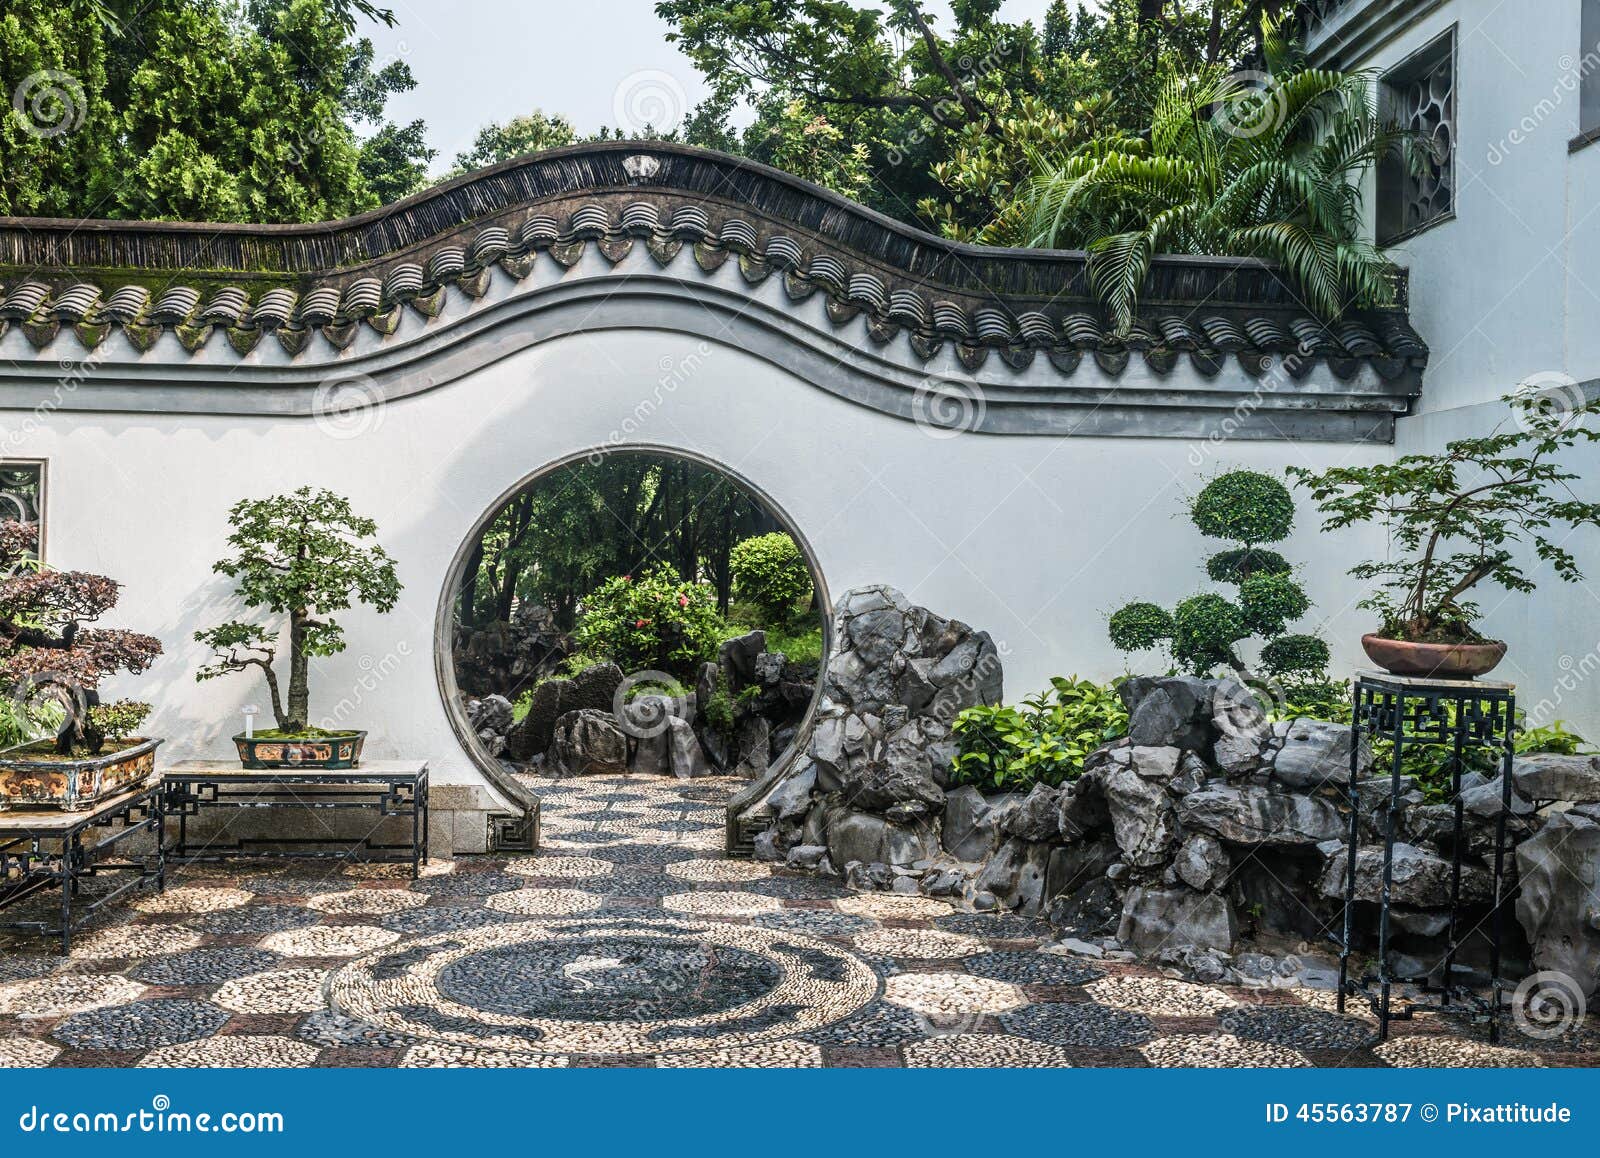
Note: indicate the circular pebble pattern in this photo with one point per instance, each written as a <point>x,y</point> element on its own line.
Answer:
<point>141,1024</point>
<point>1295,1026</point>
<point>817,922</point>
<point>278,991</point>
<point>1082,1023</point>
<point>19,1053</point>
<point>1033,968</point>
<point>273,918</point>
<point>434,1055</point>
<point>891,906</point>
<point>544,902</point>
<point>203,966</point>
<point>920,944</point>
<point>366,902</point>
<point>1219,1051</point>
<point>134,941</point>
<point>561,867</point>
<point>951,994</point>
<point>329,940</point>
<point>238,1051</point>
<point>985,1050</point>
<point>713,985</point>
<point>193,899</point>
<point>1428,1051</point>
<point>774,1055</point>
<point>719,871</point>
<point>66,993</point>
<point>1159,997</point>
<point>713,904</point>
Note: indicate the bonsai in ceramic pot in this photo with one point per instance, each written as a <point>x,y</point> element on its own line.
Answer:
<point>298,558</point>
<point>53,660</point>
<point>1460,520</point>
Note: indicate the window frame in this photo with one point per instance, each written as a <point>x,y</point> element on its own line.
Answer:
<point>1440,49</point>
<point>43,465</point>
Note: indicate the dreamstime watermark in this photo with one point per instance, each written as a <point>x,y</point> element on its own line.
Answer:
<point>50,103</point>
<point>375,670</point>
<point>950,109</point>
<point>1277,372</point>
<point>74,373</point>
<point>310,137</point>
<point>347,406</point>
<point>947,408</point>
<point>674,373</point>
<point>649,100</point>
<point>1548,1004</point>
<point>1251,105</point>
<point>1569,82</point>
<point>646,703</point>
<point>1550,401</point>
<point>159,1118</point>
<point>1575,672</point>
<point>1245,706</point>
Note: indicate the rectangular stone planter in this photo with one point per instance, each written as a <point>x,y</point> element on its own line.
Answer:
<point>341,751</point>
<point>74,785</point>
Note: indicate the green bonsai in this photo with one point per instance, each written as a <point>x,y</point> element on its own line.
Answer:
<point>302,555</point>
<point>1454,519</point>
<point>1203,630</point>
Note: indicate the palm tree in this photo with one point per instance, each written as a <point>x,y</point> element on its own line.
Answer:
<point>1269,170</point>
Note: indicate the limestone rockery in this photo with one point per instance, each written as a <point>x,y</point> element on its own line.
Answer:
<point>1206,824</point>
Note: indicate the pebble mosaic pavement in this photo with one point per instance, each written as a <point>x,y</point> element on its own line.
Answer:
<point>628,941</point>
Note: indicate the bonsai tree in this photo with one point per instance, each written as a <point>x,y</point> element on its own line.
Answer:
<point>1249,509</point>
<point>1454,519</point>
<point>298,557</point>
<point>45,640</point>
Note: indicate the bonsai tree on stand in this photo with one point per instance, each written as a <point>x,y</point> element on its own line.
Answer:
<point>1453,520</point>
<point>298,557</point>
<point>45,642</point>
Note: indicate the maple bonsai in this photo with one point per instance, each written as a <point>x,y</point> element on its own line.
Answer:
<point>301,556</point>
<point>46,641</point>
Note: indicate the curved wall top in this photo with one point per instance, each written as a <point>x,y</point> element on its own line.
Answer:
<point>250,319</point>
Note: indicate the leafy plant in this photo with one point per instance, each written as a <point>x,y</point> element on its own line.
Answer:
<point>1225,168</point>
<point>1454,519</point>
<point>1202,630</point>
<point>298,557</point>
<point>1043,741</point>
<point>651,621</point>
<point>115,721</point>
<point>46,637</point>
<point>771,572</point>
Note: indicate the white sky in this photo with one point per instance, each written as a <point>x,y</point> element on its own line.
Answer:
<point>595,61</point>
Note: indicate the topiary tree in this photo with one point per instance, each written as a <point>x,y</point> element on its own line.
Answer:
<point>301,555</point>
<point>45,640</point>
<point>1202,632</point>
<point>770,571</point>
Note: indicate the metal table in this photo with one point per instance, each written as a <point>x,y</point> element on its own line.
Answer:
<point>44,849</point>
<point>394,788</point>
<point>1457,714</point>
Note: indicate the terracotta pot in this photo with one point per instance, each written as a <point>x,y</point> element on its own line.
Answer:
<point>1440,661</point>
<point>339,751</point>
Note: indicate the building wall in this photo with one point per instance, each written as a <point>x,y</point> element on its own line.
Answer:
<point>1034,539</point>
<point>1508,291</point>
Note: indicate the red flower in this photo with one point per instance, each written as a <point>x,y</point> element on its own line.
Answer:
<point>641,623</point>
<point>683,601</point>
<point>627,578</point>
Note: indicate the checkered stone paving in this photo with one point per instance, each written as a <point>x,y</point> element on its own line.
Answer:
<point>629,939</point>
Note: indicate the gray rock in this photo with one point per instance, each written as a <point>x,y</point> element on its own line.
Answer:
<point>532,736</point>
<point>1558,908</point>
<point>806,856</point>
<point>1547,776</point>
<point>1142,816</point>
<point>490,714</point>
<point>1154,919</point>
<point>769,667</point>
<point>1487,800</point>
<point>876,635</point>
<point>1251,815</point>
<point>686,757</point>
<point>794,796</point>
<point>752,747</point>
<point>1154,763</point>
<point>592,689</point>
<point>1316,752</point>
<point>1016,875</point>
<point>971,830</point>
<point>737,656</point>
<point>875,877</point>
<point>1421,879</point>
<point>1168,711</point>
<point>944,881</point>
<point>1075,947</point>
<point>860,836</point>
<point>878,786</point>
<point>1201,863</point>
<point>984,901</point>
<point>768,846</point>
<point>1192,775</point>
<point>588,743</point>
<point>1034,818</point>
<point>1242,728</point>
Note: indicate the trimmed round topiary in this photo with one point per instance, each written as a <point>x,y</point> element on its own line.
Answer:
<point>771,572</point>
<point>1239,564</point>
<point>1205,628</point>
<point>1271,602</point>
<point>1303,656</point>
<point>1245,506</point>
<point>1140,626</point>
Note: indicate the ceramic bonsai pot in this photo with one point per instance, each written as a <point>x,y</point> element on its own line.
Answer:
<point>74,785</point>
<point>1440,661</point>
<point>341,750</point>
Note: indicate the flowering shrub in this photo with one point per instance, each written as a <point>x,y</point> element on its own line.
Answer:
<point>651,621</point>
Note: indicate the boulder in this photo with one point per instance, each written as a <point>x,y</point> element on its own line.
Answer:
<point>490,714</point>
<point>532,736</point>
<point>1016,875</point>
<point>594,688</point>
<point>1034,818</point>
<point>1154,763</point>
<point>1251,815</point>
<point>751,747</point>
<point>1421,879</point>
<point>588,743</point>
<point>685,756</point>
<point>860,836</point>
<point>807,857</point>
<point>972,822</point>
<point>1242,729</point>
<point>1168,711</point>
<point>1142,817</point>
<point>1559,869</point>
<point>792,798</point>
<point>1156,919</point>
<point>1547,776</point>
<point>769,667</point>
<point>1316,752</point>
<point>1201,863</point>
<point>878,785</point>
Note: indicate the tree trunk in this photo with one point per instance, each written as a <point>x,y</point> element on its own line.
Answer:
<point>469,585</point>
<point>299,706</point>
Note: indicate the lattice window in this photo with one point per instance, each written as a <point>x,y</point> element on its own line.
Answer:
<point>1418,189</point>
<point>22,493</point>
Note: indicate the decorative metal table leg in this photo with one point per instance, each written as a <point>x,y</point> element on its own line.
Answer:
<point>1385,982</point>
<point>1353,794</point>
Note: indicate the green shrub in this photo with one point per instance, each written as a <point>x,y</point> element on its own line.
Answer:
<point>1239,564</point>
<point>1204,630</point>
<point>1043,741</point>
<point>1270,602</point>
<point>114,721</point>
<point>1296,656</point>
<point>652,621</point>
<point>1140,626</point>
<point>1244,505</point>
<point>771,572</point>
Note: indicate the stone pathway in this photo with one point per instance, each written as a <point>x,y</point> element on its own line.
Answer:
<point>629,941</point>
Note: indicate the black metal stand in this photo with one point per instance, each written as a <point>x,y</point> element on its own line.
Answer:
<point>390,793</point>
<point>1407,712</point>
<point>41,850</point>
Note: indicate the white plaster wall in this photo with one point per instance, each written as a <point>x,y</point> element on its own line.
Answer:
<point>1033,539</point>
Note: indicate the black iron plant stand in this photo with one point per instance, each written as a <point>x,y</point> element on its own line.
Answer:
<point>1460,714</point>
